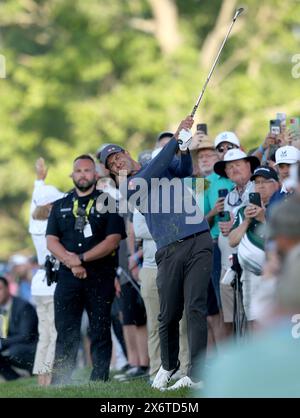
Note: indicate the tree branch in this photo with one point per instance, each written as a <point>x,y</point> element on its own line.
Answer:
<point>166,24</point>
<point>144,25</point>
<point>215,37</point>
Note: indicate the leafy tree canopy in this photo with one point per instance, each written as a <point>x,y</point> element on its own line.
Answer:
<point>82,73</point>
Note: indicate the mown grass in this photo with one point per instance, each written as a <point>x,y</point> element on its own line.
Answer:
<point>82,388</point>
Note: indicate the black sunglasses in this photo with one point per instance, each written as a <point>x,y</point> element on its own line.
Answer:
<point>225,148</point>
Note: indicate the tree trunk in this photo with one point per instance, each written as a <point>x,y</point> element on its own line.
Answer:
<point>166,24</point>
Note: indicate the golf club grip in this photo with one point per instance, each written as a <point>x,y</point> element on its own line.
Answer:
<point>194,110</point>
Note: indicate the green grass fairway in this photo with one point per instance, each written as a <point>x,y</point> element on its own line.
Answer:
<point>138,388</point>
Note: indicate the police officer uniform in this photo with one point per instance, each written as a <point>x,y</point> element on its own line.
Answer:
<point>95,293</point>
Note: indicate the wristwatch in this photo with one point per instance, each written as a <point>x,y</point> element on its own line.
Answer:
<point>81,257</point>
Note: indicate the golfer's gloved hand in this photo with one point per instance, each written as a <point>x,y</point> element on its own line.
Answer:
<point>184,139</point>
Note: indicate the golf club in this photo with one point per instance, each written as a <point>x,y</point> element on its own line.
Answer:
<point>236,15</point>
<point>121,271</point>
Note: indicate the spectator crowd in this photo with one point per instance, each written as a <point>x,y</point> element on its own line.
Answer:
<point>115,304</point>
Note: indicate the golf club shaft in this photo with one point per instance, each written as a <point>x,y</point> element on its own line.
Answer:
<point>120,271</point>
<point>237,13</point>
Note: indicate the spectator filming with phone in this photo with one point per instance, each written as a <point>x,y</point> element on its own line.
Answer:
<point>214,198</point>
<point>248,233</point>
<point>203,152</point>
<point>285,159</point>
<point>238,167</point>
<point>278,136</point>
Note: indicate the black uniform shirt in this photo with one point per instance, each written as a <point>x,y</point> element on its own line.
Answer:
<point>61,224</point>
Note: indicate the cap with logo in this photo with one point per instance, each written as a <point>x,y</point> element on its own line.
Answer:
<point>98,152</point>
<point>265,172</point>
<point>227,137</point>
<point>287,155</point>
<point>109,150</point>
<point>234,155</point>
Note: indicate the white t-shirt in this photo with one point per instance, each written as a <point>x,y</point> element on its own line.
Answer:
<point>149,247</point>
<point>37,230</point>
<point>230,204</point>
<point>36,227</point>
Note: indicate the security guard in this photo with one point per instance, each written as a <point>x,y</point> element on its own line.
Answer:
<point>85,242</point>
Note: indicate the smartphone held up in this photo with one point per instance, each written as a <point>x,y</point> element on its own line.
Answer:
<point>222,193</point>
<point>275,126</point>
<point>202,127</point>
<point>255,199</point>
<point>223,216</point>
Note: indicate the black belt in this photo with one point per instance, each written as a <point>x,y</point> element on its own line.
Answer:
<point>191,236</point>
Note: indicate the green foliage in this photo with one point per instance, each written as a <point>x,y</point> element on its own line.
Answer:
<point>81,73</point>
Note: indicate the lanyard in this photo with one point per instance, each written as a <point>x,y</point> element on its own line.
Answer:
<point>87,210</point>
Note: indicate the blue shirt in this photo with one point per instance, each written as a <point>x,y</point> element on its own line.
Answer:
<point>276,198</point>
<point>167,226</point>
<point>25,290</point>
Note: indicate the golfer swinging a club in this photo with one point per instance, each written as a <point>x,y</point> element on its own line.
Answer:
<point>184,249</point>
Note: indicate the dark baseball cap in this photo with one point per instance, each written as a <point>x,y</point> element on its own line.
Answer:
<point>98,152</point>
<point>163,134</point>
<point>266,172</point>
<point>109,150</point>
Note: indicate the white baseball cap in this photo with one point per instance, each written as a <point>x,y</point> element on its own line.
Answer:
<point>47,194</point>
<point>234,155</point>
<point>287,155</point>
<point>227,137</point>
<point>18,260</point>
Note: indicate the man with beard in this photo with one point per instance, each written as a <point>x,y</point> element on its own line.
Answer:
<point>184,246</point>
<point>85,242</point>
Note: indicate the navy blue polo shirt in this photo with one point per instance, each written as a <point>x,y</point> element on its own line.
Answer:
<point>171,225</point>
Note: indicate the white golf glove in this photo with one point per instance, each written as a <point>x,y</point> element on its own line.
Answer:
<point>184,139</point>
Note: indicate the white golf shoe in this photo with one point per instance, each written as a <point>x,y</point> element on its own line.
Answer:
<point>163,377</point>
<point>186,382</point>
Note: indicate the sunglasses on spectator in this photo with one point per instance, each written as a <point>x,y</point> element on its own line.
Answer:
<point>224,148</point>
